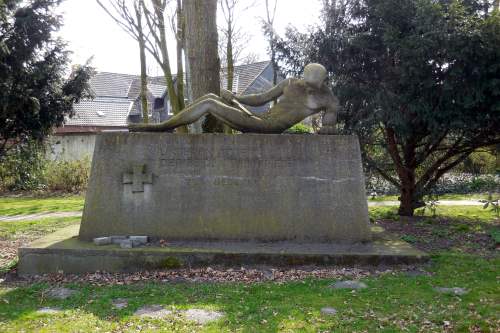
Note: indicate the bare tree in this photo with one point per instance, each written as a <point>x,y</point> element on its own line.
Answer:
<point>129,16</point>
<point>268,26</point>
<point>202,50</point>
<point>250,58</point>
<point>232,39</point>
<point>155,13</point>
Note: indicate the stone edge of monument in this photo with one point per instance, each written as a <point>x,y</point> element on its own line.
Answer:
<point>62,251</point>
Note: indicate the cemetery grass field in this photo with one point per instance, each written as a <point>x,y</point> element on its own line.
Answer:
<point>10,206</point>
<point>463,243</point>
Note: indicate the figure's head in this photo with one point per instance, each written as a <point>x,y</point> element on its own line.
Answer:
<point>315,75</point>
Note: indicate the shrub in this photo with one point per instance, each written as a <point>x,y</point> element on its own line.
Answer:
<point>22,169</point>
<point>479,162</point>
<point>458,183</point>
<point>299,129</point>
<point>68,176</point>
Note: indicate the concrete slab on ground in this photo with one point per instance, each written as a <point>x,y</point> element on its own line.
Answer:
<point>63,251</point>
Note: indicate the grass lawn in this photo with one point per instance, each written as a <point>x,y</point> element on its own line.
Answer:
<point>474,196</point>
<point>460,240</point>
<point>20,206</point>
<point>468,213</point>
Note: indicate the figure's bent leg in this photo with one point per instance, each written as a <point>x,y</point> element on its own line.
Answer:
<point>208,104</point>
<point>187,116</point>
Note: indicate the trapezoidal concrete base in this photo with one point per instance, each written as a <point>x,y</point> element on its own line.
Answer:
<point>62,251</point>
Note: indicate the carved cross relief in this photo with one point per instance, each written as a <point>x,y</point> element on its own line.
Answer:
<point>138,178</point>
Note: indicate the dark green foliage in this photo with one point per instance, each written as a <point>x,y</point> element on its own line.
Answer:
<point>23,168</point>
<point>495,234</point>
<point>418,80</point>
<point>35,94</point>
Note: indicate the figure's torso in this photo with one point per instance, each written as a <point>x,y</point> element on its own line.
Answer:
<point>298,102</point>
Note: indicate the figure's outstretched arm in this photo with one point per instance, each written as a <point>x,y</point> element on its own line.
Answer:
<point>263,98</point>
<point>330,117</point>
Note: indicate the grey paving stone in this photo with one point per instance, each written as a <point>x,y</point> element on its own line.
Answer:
<point>153,311</point>
<point>60,293</point>
<point>451,291</point>
<point>126,244</point>
<point>48,310</point>
<point>348,285</point>
<point>139,240</point>
<point>202,316</point>
<point>328,311</point>
<point>102,241</point>
<point>118,239</point>
<point>120,303</point>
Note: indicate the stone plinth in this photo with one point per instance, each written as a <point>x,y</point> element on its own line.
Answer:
<point>62,251</point>
<point>304,188</point>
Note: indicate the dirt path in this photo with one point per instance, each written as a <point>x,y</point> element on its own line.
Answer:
<point>439,203</point>
<point>30,217</point>
<point>38,216</point>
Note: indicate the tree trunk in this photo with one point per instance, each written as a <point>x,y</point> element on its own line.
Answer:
<point>407,202</point>
<point>230,60</point>
<point>497,149</point>
<point>144,75</point>
<point>411,195</point>
<point>181,28</point>
<point>180,69</point>
<point>202,50</point>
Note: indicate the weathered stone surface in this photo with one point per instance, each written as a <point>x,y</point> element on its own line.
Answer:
<point>452,291</point>
<point>153,311</point>
<point>62,251</point>
<point>60,293</point>
<point>102,241</point>
<point>126,244</point>
<point>348,285</point>
<point>201,316</point>
<point>227,187</point>
<point>118,239</point>
<point>328,311</point>
<point>139,240</point>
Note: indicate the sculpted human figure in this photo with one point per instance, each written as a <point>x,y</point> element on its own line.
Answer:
<point>297,100</point>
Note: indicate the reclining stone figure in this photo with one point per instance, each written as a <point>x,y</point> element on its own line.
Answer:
<point>297,100</point>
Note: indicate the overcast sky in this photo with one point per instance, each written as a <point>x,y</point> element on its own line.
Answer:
<point>90,32</point>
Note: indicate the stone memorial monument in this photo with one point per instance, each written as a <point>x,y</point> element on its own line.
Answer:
<point>257,197</point>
